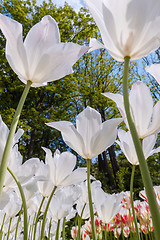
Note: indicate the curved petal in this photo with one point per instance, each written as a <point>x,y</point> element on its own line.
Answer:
<point>96,8</point>
<point>154,70</point>
<point>148,144</point>
<point>50,161</point>
<point>88,123</point>
<point>64,166</point>
<point>155,124</point>
<point>127,146</point>
<point>94,44</point>
<point>70,135</point>
<point>39,40</point>
<point>56,62</point>
<point>15,51</point>
<point>76,177</point>
<point>141,106</point>
<point>118,99</point>
<point>105,137</point>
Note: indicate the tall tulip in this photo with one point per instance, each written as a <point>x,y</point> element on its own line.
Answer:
<point>90,138</point>
<point>41,58</point>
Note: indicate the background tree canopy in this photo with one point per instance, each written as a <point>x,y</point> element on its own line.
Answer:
<point>93,74</point>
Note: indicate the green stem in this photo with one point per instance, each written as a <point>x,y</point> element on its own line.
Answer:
<point>132,204</point>
<point>18,221</point>
<point>63,232</point>
<point>45,213</point>
<point>1,231</point>
<point>4,162</point>
<point>23,202</point>
<point>79,228</point>
<point>90,200</point>
<point>105,232</point>
<point>37,217</point>
<point>79,222</point>
<point>57,231</point>
<point>49,230</point>
<point>142,162</point>
<point>10,221</point>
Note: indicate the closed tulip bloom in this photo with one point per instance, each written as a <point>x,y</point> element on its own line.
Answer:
<point>91,137</point>
<point>128,27</point>
<point>146,117</point>
<point>41,58</point>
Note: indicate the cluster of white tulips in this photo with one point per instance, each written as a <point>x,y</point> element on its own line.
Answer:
<point>37,198</point>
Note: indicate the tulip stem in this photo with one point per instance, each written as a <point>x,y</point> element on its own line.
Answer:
<point>90,200</point>
<point>45,213</point>
<point>132,204</point>
<point>57,231</point>
<point>23,202</point>
<point>63,232</point>
<point>80,221</point>
<point>4,162</point>
<point>105,232</point>
<point>37,217</point>
<point>142,162</point>
<point>18,221</point>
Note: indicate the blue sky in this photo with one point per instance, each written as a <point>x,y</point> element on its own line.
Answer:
<point>76,4</point>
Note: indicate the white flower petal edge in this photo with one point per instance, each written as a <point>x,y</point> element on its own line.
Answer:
<point>154,70</point>
<point>94,44</point>
<point>42,57</point>
<point>70,135</point>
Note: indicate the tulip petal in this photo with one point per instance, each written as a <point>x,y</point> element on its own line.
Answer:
<point>155,124</point>
<point>56,62</point>
<point>105,137</point>
<point>76,177</point>
<point>127,146</point>
<point>132,31</point>
<point>88,122</point>
<point>39,40</point>
<point>64,166</point>
<point>118,99</point>
<point>148,144</point>
<point>154,70</point>
<point>141,106</point>
<point>94,44</point>
<point>70,135</point>
<point>15,51</point>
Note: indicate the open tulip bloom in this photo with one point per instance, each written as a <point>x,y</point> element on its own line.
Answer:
<point>128,27</point>
<point>146,117</point>
<point>127,146</point>
<point>90,137</point>
<point>41,58</point>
